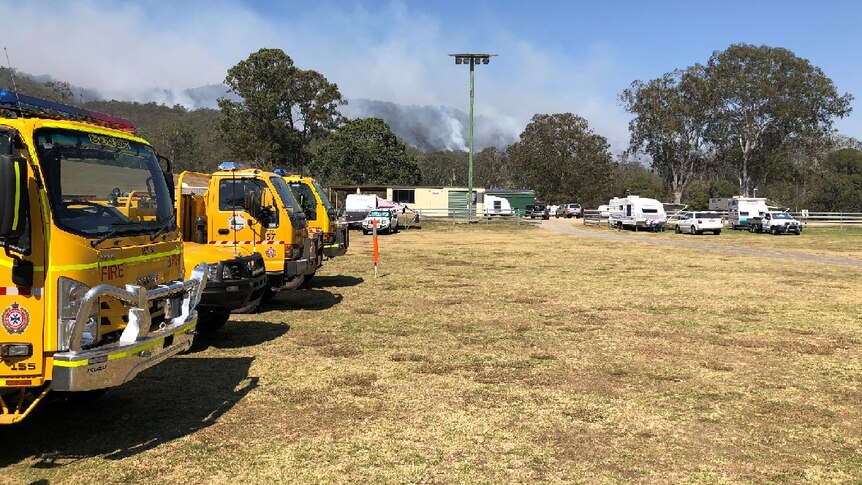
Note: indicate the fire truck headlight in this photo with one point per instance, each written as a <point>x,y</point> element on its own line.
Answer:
<point>219,272</point>
<point>69,298</point>
<point>212,269</point>
<point>71,293</point>
<point>91,332</point>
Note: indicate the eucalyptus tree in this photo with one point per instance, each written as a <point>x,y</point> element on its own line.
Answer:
<point>765,97</point>
<point>561,157</point>
<point>282,109</point>
<point>671,124</point>
<point>365,151</point>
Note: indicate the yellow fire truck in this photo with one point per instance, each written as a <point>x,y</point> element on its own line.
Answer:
<point>92,285</point>
<point>250,210</point>
<point>321,215</point>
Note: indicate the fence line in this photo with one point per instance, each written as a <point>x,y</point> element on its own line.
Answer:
<point>462,214</point>
<point>593,216</point>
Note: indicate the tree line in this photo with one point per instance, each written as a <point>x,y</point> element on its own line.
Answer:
<point>752,120</point>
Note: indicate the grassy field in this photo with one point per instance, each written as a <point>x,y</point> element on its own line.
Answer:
<point>498,354</point>
<point>829,240</point>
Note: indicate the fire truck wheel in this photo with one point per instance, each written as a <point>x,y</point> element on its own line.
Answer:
<point>293,283</point>
<point>212,319</point>
<point>268,293</point>
<point>308,277</point>
<point>250,308</point>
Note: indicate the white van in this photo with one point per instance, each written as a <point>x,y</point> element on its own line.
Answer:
<point>636,213</point>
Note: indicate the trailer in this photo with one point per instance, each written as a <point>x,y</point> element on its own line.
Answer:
<point>356,208</point>
<point>741,209</point>
<point>497,206</point>
<point>635,212</point>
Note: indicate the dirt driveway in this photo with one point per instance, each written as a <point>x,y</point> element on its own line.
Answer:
<point>565,226</point>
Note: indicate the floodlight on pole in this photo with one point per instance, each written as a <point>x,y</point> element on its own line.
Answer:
<point>472,60</point>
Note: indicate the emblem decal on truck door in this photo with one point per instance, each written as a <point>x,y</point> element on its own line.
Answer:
<point>236,222</point>
<point>270,252</point>
<point>15,319</point>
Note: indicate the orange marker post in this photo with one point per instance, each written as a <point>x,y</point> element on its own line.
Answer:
<point>374,242</point>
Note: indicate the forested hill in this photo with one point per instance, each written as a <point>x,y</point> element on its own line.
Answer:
<point>188,137</point>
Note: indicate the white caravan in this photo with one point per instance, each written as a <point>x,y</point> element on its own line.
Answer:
<point>741,209</point>
<point>357,206</point>
<point>636,212</point>
<point>497,206</point>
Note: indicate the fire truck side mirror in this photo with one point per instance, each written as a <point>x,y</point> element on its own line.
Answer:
<point>252,202</point>
<point>13,195</point>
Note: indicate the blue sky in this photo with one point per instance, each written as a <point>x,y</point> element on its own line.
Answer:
<point>553,56</point>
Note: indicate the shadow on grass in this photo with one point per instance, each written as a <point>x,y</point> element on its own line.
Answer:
<point>310,299</point>
<point>337,281</point>
<point>237,334</point>
<point>169,401</point>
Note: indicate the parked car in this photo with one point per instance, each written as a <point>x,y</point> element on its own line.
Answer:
<point>539,210</point>
<point>572,210</point>
<point>698,222</point>
<point>775,222</point>
<point>387,221</point>
<point>556,210</point>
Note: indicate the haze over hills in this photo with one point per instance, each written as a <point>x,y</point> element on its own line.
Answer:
<point>427,128</point>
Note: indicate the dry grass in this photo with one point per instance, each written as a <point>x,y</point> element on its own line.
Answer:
<point>496,354</point>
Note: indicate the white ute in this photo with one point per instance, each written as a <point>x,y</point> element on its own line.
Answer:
<point>775,222</point>
<point>387,221</point>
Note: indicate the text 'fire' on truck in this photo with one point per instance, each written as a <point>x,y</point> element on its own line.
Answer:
<point>322,218</point>
<point>92,285</point>
<point>250,210</point>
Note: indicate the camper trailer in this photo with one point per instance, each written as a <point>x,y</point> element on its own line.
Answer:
<point>634,212</point>
<point>356,208</point>
<point>497,206</point>
<point>741,209</point>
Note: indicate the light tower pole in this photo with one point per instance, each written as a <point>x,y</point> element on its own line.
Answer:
<point>472,60</point>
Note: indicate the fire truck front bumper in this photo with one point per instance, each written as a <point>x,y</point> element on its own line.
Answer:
<point>341,242</point>
<point>142,344</point>
<point>312,258</point>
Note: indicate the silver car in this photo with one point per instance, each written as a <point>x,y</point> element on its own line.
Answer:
<point>571,210</point>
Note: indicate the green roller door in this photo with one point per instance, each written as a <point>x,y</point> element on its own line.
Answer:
<point>458,203</point>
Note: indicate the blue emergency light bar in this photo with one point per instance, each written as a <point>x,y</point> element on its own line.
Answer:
<point>30,106</point>
<point>229,165</point>
<point>280,172</point>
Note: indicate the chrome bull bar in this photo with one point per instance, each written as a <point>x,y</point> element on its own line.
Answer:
<point>182,298</point>
<point>138,348</point>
